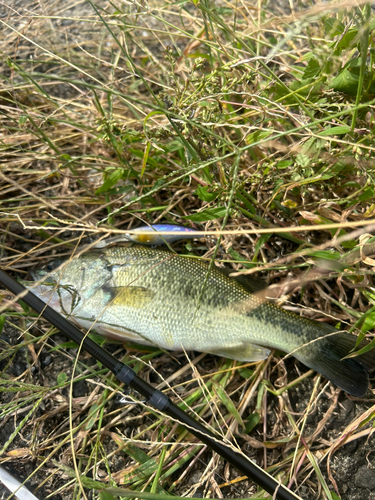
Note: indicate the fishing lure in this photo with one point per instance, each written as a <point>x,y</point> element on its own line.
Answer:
<point>179,233</point>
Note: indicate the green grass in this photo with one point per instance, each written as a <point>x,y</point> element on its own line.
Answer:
<point>235,118</point>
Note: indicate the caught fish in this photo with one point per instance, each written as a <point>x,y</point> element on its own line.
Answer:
<point>179,233</point>
<point>155,297</point>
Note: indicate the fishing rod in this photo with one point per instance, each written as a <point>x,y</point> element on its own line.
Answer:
<point>154,397</point>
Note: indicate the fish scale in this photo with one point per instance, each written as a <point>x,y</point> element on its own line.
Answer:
<point>177,285</point>
<point>156,297</point>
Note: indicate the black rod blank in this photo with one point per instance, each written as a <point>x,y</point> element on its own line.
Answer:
<point>154,397</point>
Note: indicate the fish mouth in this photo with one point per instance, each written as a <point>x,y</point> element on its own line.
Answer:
<point>44,281</point>
<point>45,289</point>
<point>34,275</point>
<point>38,274</point>
<point>46,293</point>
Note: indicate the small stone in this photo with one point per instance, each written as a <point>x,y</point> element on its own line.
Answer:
<point>79,389</point>
<point>350,447</point>
<point>195,477</point>
<point>365,478</point>
<point>46,360</point>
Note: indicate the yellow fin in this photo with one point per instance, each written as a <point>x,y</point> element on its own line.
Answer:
<point>243,352</point>
<point>129,296</point>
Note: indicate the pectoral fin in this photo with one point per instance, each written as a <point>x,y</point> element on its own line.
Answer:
<point>120,335</point>
<point>243,352</point>
<point>128,296</point>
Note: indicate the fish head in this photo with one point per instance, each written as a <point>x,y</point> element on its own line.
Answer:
<point>64,285</point>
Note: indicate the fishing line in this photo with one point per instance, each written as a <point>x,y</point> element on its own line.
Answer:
<point>154,397</point>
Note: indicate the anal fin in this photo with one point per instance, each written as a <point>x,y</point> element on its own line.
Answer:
<point>243,352</point>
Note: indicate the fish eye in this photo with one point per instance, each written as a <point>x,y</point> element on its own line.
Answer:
<point>53,265</point>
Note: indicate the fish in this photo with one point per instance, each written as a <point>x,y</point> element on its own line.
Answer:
<point>159,298</point>
<point>179,233</point>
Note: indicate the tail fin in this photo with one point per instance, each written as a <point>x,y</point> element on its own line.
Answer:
<point>351,375</point>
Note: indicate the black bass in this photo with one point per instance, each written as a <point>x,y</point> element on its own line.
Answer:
<point>155,297</point>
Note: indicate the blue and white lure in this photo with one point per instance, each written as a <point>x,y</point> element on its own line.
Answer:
<point>179,233</point>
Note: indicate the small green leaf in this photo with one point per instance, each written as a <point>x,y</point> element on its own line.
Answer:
<point>335,131</point>
<point>303,161</point>
<point>238,257</point>
<point>260,242</point>
<point>312,69</point>
<point>65,345</point>
<point>347,39</point>
<point>252,422</point>
<point>284,164</point>
<point>333,27</point>
<point>2,321</point>
<point>204,194</point>
<point>138,454</point>
<point>346,82</point>
<point>93,416</point>
<point>227,402</point>
<point>140,154</point>
<point>325,254</point>
<point>246,373</point>
<point>334,496</point>
<point>333,170</point>
<point>110,181</point>
<point>104,495</point>
<point>65,156</point>
<point>143,471</point>
<point>145,158</point>
<point>369,323</point>
<point>22,119</point>
<point>62,378</point>
<point>355,62</point>
<point>208,214</point>
<point>258,136</point>
<point>24,306</point>
<point>369,193</point>
<point>283,208</point>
